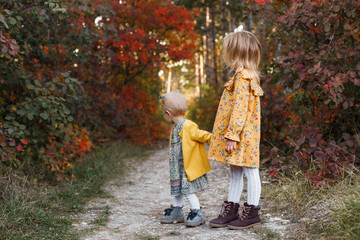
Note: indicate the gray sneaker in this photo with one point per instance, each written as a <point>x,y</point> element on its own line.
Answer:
<point>173,214</point>
<point>195,218</point>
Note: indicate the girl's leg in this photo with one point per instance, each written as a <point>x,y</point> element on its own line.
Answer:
<point>174,213</point>
<point>230,208</point>
<point>253,185</point>
<point>236,183</point>
<point>178,200</point>
<point>250,212</point>
<point>195,217</point>
<point>193,201</point>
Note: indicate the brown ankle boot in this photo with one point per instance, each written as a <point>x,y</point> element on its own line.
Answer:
<point>249,218</point>
<point>228,213</point>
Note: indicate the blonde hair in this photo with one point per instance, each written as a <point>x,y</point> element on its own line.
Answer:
<point>175,103</point>
<point>242,49</point>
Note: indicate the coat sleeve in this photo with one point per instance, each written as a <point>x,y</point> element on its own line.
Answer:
<point>239,110</point>
<point>199,135</point>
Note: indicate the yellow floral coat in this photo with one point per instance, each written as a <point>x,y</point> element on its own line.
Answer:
<point>238,119</point>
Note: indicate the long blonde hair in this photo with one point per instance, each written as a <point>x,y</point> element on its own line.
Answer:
<point>242,49</point>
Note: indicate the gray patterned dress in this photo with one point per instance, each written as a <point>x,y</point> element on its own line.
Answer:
<point>178,180</point>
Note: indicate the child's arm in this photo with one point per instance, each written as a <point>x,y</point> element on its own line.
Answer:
<point>199,135</point>
<point>239,111</point>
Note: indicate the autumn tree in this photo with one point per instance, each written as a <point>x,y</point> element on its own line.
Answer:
<point>75,74</point>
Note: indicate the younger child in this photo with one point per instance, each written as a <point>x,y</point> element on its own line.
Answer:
<point>188,161</point>
<point>236,133</point>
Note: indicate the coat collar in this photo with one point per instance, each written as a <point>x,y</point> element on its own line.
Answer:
<point>245,74</point>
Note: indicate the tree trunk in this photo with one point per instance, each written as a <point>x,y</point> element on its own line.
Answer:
<point>197,75</point>
<point>250,25</point>
<point>208,60</point>
<point>213,41</point>
<point>169,80</point>
<point>203,55</point>
<point>231,21</point>
<point>223,33</point>
<point>202,75</point>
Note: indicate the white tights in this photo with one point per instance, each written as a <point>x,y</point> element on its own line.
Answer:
<point>237,184</point>
<point>192,199</point>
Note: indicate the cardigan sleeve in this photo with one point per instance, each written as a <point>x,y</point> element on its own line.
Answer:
<point>239,110</point>
<point>197,134</point>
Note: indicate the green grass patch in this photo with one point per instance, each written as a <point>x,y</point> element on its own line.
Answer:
<point>343,219</point>
<point>321,213</point>
<point>103,218</point>
<point>35,209</point>
<point>147,237</point>
<point>174,233</point>
<point>267,233</point>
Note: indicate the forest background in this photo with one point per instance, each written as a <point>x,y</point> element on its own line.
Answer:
<point>76,74</point>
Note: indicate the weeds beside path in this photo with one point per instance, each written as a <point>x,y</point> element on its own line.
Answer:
<point>122,190</point>
<point>138,201</point>
<point>33,208</point>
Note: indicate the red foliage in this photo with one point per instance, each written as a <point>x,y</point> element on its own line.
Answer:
<point>137,109</point>
<point>8,45</point>
<point>60,157</point>
<point>121,77</point>
<point>262,2</point>
<point>74,74</point>
<point>146,34</point>
<point>312,98</point>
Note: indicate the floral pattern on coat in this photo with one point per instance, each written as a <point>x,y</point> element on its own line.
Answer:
<point>238,119</point>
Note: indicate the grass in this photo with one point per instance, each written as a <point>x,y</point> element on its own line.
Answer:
<point>147,237</point>
<point>103,218</point>
<point>343,219</point>
<point>35,209</point>
<point>321,213</point>
<point>174,233</point>
<point>268,234</point>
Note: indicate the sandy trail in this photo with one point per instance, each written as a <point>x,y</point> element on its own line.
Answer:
<point>139,201</point>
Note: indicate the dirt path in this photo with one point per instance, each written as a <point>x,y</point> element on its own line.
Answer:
<point>139,201</point>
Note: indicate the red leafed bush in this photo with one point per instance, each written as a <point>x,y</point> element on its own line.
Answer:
<point>311,105</point>
<point>135,116</point>
<point>59,157</point>
<point>325,161</point>
<point>8,45</point>
<point>68,75</point>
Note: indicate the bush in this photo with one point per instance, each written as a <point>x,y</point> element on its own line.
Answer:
<point>311,104</point>
<point>68,82</point>
<point>203,110</point>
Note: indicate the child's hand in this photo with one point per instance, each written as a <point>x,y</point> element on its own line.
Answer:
<point>230,146</point>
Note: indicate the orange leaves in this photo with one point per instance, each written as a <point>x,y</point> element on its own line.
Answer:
<point>314,28</point>
<point>61,156</point>
<point>138,114</point>
<point>262,2</point>
<point>147,30</point>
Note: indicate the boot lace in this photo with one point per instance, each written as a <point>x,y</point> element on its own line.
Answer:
<point>245,213</point>
<point>168,211</point>
<point>225,210</point>
<point>191,215</point>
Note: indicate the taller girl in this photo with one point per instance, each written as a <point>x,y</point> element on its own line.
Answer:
<point>236,133</point>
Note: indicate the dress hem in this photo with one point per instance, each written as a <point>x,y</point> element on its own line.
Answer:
<point>236,164</point>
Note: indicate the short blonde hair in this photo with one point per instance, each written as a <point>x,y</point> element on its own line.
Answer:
<point>175,103</point>
<point>242,49</point>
